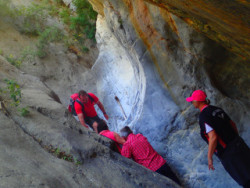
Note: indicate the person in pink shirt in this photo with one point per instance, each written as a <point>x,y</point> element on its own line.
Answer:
<point>140,150</point>
<point>103,130</point>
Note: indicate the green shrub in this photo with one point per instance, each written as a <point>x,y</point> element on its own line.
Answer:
<point>31,19</point>
<point>14,91</point>
<point>14,61</point>
<point>51,34</point>
<point>24,111</point>
<point>28,53</point>
<point>90,30</point>
<point>83,6</point>
<point>27,19</point>
<point>65,15</point>
<point>85,19</point>
<point>77,162</point>
<point>62,155</point>
<point>85,49</point>
<point>57,151</point>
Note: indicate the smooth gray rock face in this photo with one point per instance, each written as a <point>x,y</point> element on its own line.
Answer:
<point>23,163</point>
<point>26,161</point>
<point>150,77</point>
<point>152,85</point>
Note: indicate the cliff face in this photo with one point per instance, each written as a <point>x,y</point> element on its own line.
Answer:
<point>224,22</point>
<point>47,147</point>
<point>152,55</point>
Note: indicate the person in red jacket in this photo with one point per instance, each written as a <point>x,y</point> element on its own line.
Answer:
<point>221,134</point>
<point>140,150</point>
<point>85,110</point>
<point>104,131</point>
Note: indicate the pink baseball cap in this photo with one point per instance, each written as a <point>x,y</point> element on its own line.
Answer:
<point>197,95</point>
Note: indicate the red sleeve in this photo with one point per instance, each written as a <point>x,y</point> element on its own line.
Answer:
<point>126,151</point>
<point>94,97</point>
<point>78,108</point>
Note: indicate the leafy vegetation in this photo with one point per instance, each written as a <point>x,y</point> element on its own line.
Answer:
<point>51,34</point>
<point>62,155</point>
<point>24,111</point>
<point>82,24</point>
<point>13,92</point>
<point>32,20</point>
<point>14,61</point>
<point>27,54</point>
<point>85,19</point>
<point>65,15</point>
<point>85,49</point>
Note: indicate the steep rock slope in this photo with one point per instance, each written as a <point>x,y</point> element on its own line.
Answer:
<point>151,60</point>
<point>32,144</point>
<point>27,158</point>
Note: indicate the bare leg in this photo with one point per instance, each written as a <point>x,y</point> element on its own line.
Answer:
<point>95,125</point>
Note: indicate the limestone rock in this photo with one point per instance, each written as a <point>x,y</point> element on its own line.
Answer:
<point>26,161</point>
<point>152,60</point>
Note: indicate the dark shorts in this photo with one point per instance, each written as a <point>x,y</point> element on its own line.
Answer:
<point>236,161</point>
<point>91,120</point>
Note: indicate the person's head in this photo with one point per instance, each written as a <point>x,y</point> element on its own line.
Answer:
<point>83,96</point>
<point>102,126</point>
<point>198,98</point>
<point>125,131</point>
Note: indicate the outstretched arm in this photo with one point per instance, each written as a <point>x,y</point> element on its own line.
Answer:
<point>80,116</point>
<point>211,148</point>
<point>100,105</point>
<point>118,138</point>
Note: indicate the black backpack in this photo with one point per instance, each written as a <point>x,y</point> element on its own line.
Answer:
<point>72,105</point>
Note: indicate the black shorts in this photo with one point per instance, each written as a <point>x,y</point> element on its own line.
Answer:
<point>236,161</point>
<point>91,120</point>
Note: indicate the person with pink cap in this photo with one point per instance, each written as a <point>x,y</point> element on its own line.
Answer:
<point>223,139</point>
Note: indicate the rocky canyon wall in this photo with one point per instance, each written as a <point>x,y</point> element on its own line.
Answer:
<point>151,55</point>
<point>152,59</point>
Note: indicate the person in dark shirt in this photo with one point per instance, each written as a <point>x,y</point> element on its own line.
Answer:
<point>221,134</point>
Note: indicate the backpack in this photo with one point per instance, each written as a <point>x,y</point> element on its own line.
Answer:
<point>73,99</point>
